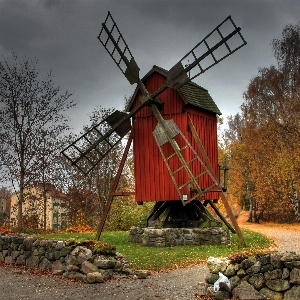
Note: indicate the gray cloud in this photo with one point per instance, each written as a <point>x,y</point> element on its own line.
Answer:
<point>62,34</point>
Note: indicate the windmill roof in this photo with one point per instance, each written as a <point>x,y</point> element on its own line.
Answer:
<point>200,97</point>
<point>193,93</point>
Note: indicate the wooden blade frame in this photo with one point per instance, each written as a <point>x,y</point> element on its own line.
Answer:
<point>89,149</point>
<point>223,41</point>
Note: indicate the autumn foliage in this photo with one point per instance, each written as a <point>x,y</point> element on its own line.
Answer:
<point>79,229</point>
<point>262,142</point>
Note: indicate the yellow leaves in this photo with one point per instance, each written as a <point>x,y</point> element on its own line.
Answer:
<point>5,230</point>
<point>79,229</point>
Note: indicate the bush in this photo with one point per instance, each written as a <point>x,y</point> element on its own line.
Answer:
<point>122,217</point>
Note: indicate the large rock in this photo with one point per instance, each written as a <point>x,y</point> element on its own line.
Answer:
<point>266,268</point>
<point>32,261</point>
<point>274,274</point>
<point>9,260</point>
<point>211,278</point>
<point>248,262</point>
<point>94,277</point>
<point>272,295</point>
<point>71,268</point>
<point>87,267</point>
<point>241,273</point>
<point>257,280</point>
<point>21,260</point>
<point>28,243</point>
<point>285,273</point>
<point>107,273</point>
<point>142,274</point>
<point>230,270</point>
<point>295,276</point>
<point>219,295</point>
<point>59,245</point>
<point>234,281</point>
<point>293,293</point>
<point>15,254</point>
<point>275,260</point>
<point>254,269</point>
<point>216,265</point>
<point>102,263</point>
<point>245,291</point>
<point>290,257</point>
<point>57,265</point>
<point>75,275</point>
<point>81,254</point>
<point>278,285</point>
<point>264,259</point>
<point>45,264</point>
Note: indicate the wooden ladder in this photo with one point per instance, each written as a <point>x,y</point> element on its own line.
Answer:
<point>167,135</point>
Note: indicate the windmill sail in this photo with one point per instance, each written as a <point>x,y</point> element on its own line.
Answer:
<point>223,41</point>
<point>89,149</point>
<point>114,43</point>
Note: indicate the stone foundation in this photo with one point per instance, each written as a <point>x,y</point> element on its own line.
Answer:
<point>166,237</point>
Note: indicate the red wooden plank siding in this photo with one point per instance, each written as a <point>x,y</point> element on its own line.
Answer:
<point>152,179</point>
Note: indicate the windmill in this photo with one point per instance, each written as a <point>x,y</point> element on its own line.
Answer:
<point>187,165</point>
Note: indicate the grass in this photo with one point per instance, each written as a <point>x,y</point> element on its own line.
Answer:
<point>164,258</point>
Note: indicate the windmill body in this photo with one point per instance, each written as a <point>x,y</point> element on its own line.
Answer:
<point>191,102</point>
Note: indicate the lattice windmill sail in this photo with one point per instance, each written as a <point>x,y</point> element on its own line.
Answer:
<point>87,151</point>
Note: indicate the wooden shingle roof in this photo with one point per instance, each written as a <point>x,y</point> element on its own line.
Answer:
<point>193,94</point>
<point>198,96</point>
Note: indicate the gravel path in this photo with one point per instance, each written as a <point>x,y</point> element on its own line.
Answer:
<point>183,284</point>
<point>285,239</point>
<point>286,236</point>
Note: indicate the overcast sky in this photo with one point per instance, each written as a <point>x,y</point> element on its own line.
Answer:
<point>62,35</point>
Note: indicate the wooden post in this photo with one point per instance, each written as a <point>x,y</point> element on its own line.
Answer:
<point>113,189</point>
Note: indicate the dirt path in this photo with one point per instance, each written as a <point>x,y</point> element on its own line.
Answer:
<point>286,236</point>
<point>183,284</point>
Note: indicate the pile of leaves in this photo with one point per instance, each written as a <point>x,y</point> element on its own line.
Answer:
<point>237,258</point>
<point>79,229</point>
<point>5,230</point>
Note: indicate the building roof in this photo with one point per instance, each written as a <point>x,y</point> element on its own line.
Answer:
<point>200,97</point>
<point>193,93</point>
<point>50,189</point>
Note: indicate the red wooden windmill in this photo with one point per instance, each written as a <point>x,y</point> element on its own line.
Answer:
<point>174,131</point>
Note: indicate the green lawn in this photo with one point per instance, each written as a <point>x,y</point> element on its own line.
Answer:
<point>168,257</point>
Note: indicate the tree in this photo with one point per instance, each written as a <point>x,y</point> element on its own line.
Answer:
<point>271,132</point>
<point>5,195</point>
<point>32,116</point>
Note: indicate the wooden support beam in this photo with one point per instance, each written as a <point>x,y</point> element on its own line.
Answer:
<point>221,216</point>
<point>221,194</point>
<point>113,189</point>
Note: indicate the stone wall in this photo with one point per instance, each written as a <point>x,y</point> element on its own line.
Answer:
<point>62,258</point>
<point>266,276</point>
<point>166,237</point>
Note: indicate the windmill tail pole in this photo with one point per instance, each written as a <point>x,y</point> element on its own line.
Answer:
<point>233,220</point>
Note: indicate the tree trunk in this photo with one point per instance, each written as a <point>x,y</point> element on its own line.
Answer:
<point>45,209</point>
<point>21,195</point>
